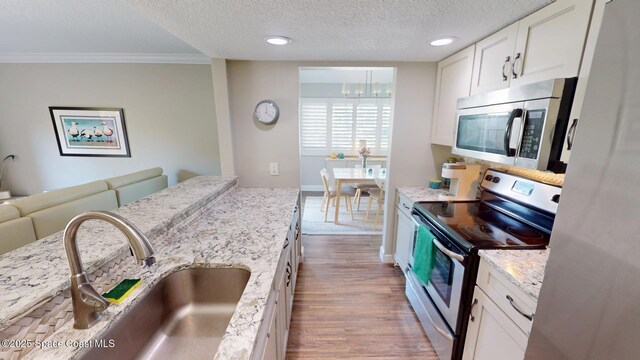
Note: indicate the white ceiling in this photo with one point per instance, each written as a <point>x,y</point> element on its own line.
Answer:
<point>377,30</point>
<point>334,30</point>
<point>82,27</point>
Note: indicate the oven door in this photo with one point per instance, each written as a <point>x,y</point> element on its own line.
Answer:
<point>489,133</point>
<point>446,281</point>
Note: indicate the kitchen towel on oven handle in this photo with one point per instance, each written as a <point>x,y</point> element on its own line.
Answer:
<point>423,256</point>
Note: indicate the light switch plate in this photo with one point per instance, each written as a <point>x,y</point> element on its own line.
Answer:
<point>273,169</point>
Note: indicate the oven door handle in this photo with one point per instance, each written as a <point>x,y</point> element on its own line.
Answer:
<point>448,252</point>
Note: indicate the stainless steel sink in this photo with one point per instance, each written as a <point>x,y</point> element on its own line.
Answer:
<point>184,316</point>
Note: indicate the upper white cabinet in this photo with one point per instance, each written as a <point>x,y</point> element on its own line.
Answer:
<point>585,68</point>
<point>453,81</point>
<point>550,42</point>
<point>494,56</point>
<point>545,45</point>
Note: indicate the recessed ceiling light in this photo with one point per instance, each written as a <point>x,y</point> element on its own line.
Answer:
<point>442,41</point>
<point>278,40</point>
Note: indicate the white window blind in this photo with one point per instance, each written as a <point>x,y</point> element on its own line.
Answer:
<point>313,125</point>
<point>367,124</point>
<point>338,125</point>
<point>342,127</point>
<point>385,127</point>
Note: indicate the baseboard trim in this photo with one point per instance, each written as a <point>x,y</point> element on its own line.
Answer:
<point>311,188</point>
<point>386,258</point>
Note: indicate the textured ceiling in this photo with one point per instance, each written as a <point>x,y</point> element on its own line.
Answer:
<point>360,30</point>
<point>82,26</point>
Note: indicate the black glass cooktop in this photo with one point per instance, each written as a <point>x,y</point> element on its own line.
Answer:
<point>476,225</point>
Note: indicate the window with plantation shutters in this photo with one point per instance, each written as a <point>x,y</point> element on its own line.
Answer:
<point>385,128</point>
<point>367,124</point>
<point>313,125</point>
<point>342,127</point>
<point>338,125</point>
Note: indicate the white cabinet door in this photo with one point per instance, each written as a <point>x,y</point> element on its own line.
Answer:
<point>585,68</point>
<point>550,42</point>
<point>404,239</point>
<point>453,81</point>
<point>491,335</point>
<point>271,348</point>
<point>492,64</point>
<point>282,326</point>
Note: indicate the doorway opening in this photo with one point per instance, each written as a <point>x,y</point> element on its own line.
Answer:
<point>345,116</point>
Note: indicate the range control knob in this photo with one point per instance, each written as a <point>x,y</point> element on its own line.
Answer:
<point>556,198</point>
<point>496,179</point>
<point>488,177</point>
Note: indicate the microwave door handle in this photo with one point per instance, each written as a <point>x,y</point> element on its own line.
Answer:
<point>448,252</point>
<point>508,130</point>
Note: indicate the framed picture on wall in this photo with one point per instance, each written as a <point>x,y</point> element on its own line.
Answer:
<point>85,131</point>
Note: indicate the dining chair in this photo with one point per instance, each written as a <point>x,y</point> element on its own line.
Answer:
<point>360,187</point>
<point>330,192</point>
<point>378,195</point>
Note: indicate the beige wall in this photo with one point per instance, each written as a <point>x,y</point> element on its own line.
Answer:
<point>168,108</point>
<point>412,160</point>
<point>256,145</point>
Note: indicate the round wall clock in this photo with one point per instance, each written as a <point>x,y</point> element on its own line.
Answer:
<point>266,112</point>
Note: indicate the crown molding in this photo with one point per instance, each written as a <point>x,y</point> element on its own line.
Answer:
<point>103,58</point>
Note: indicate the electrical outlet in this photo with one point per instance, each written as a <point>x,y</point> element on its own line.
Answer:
<point>273,169</point>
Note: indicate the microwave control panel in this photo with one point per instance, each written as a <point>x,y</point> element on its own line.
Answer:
<point>532,134</point>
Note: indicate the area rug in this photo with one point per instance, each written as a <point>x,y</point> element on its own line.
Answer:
<point>313,219</point>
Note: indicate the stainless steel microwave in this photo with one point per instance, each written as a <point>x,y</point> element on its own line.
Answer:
<point>523,126</point>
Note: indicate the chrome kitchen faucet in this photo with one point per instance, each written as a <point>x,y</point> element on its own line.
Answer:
<point>88,304</point>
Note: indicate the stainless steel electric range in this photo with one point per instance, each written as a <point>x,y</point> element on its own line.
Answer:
<point>512,213</point>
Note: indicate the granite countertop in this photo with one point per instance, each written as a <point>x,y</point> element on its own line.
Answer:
<point>198,223</point>
<point>421,193</point>
<point>524,268</point>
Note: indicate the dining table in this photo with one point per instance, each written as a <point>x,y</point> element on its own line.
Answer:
<point>355,176</point>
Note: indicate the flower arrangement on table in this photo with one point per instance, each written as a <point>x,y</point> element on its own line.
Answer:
<point>364,152</point>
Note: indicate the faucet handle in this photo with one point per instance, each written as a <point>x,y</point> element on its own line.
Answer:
<point>147,262</point>
<point>92,298</point>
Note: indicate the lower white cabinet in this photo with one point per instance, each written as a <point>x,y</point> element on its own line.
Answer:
<point>271,346</point>
<point>491,335</point>
<point>500,319</point>
<point>271,343</point>
<point>405,230</point>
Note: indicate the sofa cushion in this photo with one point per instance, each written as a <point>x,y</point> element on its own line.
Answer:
<point>119,181</point>
<point>135,191</point>
<point>55,218</point>
<point>33,203</point>
<point>8,212</point>
<point>16,233</point>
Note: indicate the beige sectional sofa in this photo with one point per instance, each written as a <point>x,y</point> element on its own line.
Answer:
<point>15,231</point>
<point>24,220</point>
<point>134,186</point>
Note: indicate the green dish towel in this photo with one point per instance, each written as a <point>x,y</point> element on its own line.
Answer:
<point>423,256</point>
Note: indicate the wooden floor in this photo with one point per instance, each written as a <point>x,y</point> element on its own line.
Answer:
<point>348,305</point>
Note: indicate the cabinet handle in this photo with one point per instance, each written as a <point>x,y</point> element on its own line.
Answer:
<point>514,72</point>
<point>475,302</point>
<point>288,273</point>
<point>513,305</point>
<point>571,134</point>
<point>505,76</point>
